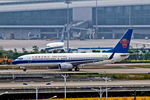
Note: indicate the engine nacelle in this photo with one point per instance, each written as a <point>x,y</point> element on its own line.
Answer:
<point>65,66</point>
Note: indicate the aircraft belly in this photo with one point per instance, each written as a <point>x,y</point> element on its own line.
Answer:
<point>38,64</point>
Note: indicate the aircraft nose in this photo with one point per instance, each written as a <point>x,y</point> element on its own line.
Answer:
<point>47,48</point>
<point>14,62</point>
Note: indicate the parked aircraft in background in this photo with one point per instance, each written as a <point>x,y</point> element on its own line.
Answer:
<point>69,61</point>
<point>57,45</point>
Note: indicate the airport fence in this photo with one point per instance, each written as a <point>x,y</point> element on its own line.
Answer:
<point>104,98</point>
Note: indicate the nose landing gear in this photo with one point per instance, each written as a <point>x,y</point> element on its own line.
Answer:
<point>24,69</point>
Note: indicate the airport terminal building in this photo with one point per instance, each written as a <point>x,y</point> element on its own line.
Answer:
<point>35,19</point>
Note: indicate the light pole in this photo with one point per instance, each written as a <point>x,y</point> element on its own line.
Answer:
<point>67,28</point>
<point>96,19</point>
<point>100,91</point>
<point>106,82</point>
<point>13,75</point>
<point>65,78</point>
<point>129,8</point>
<point>36,89</point>
<point>134,94</point>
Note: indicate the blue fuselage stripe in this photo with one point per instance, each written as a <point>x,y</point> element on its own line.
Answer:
<point>48,48</point>
<point>52,61</point>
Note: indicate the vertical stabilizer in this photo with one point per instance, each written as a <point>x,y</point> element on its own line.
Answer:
<point>62,35</point>
<point>123,45</point>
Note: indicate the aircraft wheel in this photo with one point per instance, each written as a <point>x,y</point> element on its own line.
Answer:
<point>24,70</point>
<point>77,69</point>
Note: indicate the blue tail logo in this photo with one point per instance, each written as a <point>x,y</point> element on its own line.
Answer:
<point>62,34</point>
<point>124,42</point>
<point>123,45</point>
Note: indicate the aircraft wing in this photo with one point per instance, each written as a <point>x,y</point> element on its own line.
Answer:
<point>85,62</point>
<point>92,61</point>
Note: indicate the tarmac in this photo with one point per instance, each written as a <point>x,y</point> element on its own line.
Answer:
<point>124,83</point>
<point>23,84</point>
<point>58,71</point>
<point>108,68</point>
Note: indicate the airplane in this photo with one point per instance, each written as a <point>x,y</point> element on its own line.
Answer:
<point>56,45</point>
<point>69,61</point>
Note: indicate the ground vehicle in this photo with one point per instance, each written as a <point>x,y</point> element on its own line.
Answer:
<point>5,60</point>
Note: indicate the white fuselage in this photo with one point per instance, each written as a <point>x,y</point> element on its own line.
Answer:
<point>56,59</point>
<point>55,45</point>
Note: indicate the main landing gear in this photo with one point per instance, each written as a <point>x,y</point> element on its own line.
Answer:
<point>24,69</point>
<point>77,69</point>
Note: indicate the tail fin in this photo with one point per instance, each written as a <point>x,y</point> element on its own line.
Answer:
<point>123,44</point>
<point>62,35</point>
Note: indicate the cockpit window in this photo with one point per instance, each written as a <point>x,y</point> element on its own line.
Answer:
<point>20,58</point>
<point>123,55</point>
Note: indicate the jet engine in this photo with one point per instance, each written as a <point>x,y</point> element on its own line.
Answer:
<point>66,66</point>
